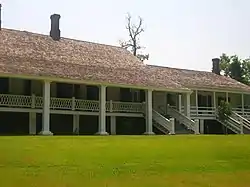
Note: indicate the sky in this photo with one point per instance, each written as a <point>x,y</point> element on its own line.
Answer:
<point>178,33</point>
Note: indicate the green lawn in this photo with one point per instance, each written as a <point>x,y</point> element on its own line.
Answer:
<point>125,161</point>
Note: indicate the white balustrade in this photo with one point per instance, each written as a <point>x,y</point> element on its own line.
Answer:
<point>33,101</point>
<point>127,107</point>
<point>15,100</point>
<point>60,103</point>
<point>87,105</point>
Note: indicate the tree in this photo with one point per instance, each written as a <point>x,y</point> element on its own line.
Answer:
<point>133,44</point>
<point>246,70</point>
<point>236,68</point>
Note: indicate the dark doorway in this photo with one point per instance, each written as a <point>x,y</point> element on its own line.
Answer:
<point>65,90</point>
<point>215,127</point>
<point>92,93</point>
<point>61,124</point>
<point>4,85</point>
<point>204,100</point>
<point>130,126</point>
<point>14,123</point>
<point>88,125</point>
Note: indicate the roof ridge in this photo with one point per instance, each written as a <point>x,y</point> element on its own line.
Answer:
<point>159,66</point>
<point>66,38</point>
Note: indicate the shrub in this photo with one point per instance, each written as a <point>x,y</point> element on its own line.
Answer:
<point>224,110</point>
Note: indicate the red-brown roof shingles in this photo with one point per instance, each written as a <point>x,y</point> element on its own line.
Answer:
<point>200,79</point>
<point>27,53</point>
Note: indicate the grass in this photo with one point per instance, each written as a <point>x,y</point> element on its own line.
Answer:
<point>125,161</point>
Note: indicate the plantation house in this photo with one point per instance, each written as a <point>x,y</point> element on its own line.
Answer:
<point>54,85</point>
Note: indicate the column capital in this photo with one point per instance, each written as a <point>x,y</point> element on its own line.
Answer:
<point>103,86</point>
<point>47,81</point>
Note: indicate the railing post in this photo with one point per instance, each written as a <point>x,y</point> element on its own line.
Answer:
<point>144,108</point>
<point>196,102</point>
<point>32,116</point>
<point>172,122</point>
<point>33,101</point>
<point>242,104</point>
<point>241,126</point>
<point>196,130</point>
<point>73,103</point>
<point>111,106</point>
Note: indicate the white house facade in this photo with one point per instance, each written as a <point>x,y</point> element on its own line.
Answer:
<point>54,85</point>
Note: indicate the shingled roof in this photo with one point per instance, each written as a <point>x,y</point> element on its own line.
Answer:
<point>199,79</point>
<point>25,53</point>
<point>31,54</point>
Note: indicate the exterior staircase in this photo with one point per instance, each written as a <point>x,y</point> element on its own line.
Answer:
<point>163,124</point>
<point>185,125</point>
<point>237,124</point>
<point>243,121</point>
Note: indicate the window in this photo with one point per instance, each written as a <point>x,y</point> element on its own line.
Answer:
<point>135,95</point>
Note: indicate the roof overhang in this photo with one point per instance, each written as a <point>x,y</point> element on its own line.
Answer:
<point>77,81</point>
<point>224,90</point>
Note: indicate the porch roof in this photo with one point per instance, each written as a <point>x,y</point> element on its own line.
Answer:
<point>200,79</point>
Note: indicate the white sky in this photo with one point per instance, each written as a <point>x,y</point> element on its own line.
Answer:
<point>179,33</point>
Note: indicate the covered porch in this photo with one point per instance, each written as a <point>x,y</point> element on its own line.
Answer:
<point>101,106</point>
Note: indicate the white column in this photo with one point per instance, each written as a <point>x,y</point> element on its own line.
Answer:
<point>202,126</point>
<point>214,99</point>
<point>180,104</point>
<point>227,97</point>
<point>102,111</point>
<point>241,127</point>
<point>32,123</point>
<point>113,125</point>
<point>76,127</point>
<point>149,115</point>
<point>196,101</point>
<point>172,121</point>
<point>32,116</point>
<point>46,109</point>
<point>197,126</point>
<point>187,104</point>
<point>242,104</point>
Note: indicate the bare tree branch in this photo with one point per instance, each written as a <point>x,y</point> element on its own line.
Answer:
<point>133,44</point>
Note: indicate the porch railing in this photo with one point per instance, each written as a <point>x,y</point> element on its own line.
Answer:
<point>20,101</point>
<point>242,112</point>
<point>201,111</point>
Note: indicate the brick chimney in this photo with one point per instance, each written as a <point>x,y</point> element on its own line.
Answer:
<point>0,16</point>
<point>55,32</point>
<point>216,66</point>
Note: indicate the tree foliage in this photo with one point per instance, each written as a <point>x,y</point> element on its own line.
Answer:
<point>224,111</point>
<point>236,68</point>
<point>133,44</point>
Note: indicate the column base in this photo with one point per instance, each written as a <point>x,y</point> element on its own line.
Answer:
<point>46,133</point>
<point>102,133</point>
<point>149,133</point>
